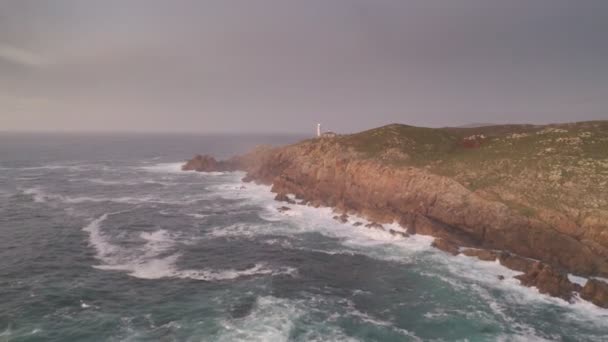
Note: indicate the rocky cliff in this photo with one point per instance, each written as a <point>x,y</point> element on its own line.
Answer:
<point>494,188</point>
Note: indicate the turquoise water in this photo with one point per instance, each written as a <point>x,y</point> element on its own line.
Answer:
<point>104,239</point>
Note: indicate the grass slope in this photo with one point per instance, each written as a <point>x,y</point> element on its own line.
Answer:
<point>562,167</point>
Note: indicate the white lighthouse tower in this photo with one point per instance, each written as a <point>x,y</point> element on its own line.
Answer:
<point>318,130</point>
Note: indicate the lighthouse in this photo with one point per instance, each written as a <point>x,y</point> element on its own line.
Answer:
<point>318,130</point>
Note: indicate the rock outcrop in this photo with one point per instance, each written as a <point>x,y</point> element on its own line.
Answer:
<point>549,281</point>
<point>205,163</point>
<point>596,291</point>
<point>446,246</point>
<point>481,254</point>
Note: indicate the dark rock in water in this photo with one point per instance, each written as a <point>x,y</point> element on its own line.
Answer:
<point>596,292</point>
<point>501,277</point>
<point>284,198</point>
<point>374,225</point>
<point>357,224</point>
<point>342,218</point>
<point>242,308</point>
<point>398,233</point>
<point>549,281</point>
<point>446,246</point>
<point>283,209</point>
<point>205,163</point>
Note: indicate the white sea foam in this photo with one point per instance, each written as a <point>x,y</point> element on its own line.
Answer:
<point>198,216</point>
<point>164,168</point>
<point>274,319</point>
<point>279,242</point>
<point>487,272</point>
<point>37,194</point>
<point>175,168</point>
<point>383,245</point>
<point>271,320</point>
<point>6,332</point>
<point>214,275</point>
<point>110,182</point>
<point>601,278</point>
<point>70,167</point>
<point>577,280</point>
<point>304,219</point>
<point>155,260</point>
<point>366,318</point>
<point>105,250</point>
<point>41,196</point>
<point>102,181</point>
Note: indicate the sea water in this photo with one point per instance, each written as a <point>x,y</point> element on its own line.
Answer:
<point>103,238</point>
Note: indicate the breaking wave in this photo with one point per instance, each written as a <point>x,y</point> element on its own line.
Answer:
<point>150,262</point>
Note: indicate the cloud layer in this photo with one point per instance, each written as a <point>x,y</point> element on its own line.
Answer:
<point>283,65</point>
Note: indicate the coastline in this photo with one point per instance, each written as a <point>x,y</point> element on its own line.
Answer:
<point>321,173</point>
<point>478,269</point>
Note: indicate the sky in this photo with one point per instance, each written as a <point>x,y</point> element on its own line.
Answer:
<point>281,66</point>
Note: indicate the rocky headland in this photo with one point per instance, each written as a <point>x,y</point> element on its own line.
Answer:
<point>534,198</point>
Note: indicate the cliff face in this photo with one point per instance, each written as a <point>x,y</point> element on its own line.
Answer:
<point>322,173</point>
<point>470,188</point>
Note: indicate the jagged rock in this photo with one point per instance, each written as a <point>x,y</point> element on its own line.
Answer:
<point>596,291</point>
<point>202,164</point>
<point>515,262</point>
<point>398,233</point>
<point>205,163</point>
<point>549,281</point>
<point>374,225</point>
<point>481,254</point>
<point>445,246</point>
<point>284,198</point>
<point>357,224</point>
<point>283,209</point>
<point>342,218</point>
<point>501,277</point>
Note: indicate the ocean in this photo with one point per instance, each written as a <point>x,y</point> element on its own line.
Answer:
<point>103,238</point>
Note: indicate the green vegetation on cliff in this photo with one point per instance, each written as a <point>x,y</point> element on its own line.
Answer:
<point>530,168</point>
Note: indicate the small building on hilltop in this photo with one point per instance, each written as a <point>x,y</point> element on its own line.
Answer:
<point>328,134</point>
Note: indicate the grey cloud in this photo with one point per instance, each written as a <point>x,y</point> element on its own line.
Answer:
<point>19,56</point>
<point>282,65</point>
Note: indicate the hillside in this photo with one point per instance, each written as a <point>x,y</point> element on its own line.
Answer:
<point>531,168</point>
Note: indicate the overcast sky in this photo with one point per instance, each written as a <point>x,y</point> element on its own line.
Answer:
<point>283,65</point>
